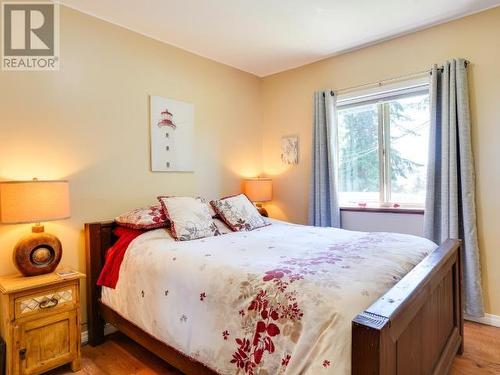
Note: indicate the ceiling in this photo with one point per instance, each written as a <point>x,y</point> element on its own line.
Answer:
<point>268,36</point>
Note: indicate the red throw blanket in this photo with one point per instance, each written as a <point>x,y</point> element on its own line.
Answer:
<point>114,257</point>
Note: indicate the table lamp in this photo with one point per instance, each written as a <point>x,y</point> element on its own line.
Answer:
<point>33,202</point>
<point>259,190</point>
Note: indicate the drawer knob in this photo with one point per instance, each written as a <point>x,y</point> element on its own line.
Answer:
<point>49,303</point>
<point>22,354</point>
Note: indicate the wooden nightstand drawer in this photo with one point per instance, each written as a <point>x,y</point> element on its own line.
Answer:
<point>48,300</point>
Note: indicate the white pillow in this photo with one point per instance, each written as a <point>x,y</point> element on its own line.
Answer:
<point>239,213</point>
<point>222,227</point>
<point>210,208</point>
<point>189,218</point>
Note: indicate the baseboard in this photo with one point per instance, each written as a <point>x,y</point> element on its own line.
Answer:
<point>108,329</point>
<point>488,319</point>
<point>85,337</point>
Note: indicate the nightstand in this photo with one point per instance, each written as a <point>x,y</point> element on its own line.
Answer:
<point>40,322</point>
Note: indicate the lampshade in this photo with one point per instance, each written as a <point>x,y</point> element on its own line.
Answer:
<point>33,201</point>
<point>258,189</point>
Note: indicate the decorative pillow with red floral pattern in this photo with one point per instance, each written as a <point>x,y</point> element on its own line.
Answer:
<point>239,213</point>
<point>144,218</point>
<point>189,218</point>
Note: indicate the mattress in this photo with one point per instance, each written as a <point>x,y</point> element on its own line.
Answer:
<point>277,300</point>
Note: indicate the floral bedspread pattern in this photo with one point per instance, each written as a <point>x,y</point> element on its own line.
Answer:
<point>277,300</point>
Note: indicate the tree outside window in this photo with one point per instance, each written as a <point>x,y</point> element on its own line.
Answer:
<point>382,151</point>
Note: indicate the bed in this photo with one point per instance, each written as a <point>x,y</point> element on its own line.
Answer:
<point>283,299</point>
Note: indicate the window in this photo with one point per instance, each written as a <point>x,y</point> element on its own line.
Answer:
<point>382,146</point>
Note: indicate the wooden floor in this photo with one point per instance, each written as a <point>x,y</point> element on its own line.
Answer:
<point>119,355</point>
<point>482,351</point>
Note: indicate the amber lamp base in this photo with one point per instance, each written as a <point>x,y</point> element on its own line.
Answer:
<point>37,253</point>
<point>261,209</point>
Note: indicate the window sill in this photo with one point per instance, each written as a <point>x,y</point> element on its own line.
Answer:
<point>388,210</point>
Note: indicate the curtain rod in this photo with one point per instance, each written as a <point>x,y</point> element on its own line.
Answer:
<point>397,78</point>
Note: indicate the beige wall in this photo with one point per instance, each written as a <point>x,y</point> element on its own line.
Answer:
<point>88,123</point>
<point>287,109</point>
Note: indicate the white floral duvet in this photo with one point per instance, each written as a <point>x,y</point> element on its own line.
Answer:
<point>277,300</point>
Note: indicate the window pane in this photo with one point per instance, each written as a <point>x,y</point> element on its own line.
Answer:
<point>409,136</point>
<point>359,154</point>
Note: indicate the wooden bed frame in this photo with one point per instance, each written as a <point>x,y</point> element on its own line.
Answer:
<point>415,328</point>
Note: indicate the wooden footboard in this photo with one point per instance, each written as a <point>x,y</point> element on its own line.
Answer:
<point>417,326</point>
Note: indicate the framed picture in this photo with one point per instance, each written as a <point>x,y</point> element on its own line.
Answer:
<point>290,150</point>
<point>172,135</point>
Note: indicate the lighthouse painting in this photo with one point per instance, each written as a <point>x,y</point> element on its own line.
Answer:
<point>172,135</point>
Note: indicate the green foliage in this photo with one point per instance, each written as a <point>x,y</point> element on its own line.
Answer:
<point>359,146</point>
<point>358,138</point>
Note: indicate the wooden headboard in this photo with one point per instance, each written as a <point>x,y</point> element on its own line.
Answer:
<point>99,238</point>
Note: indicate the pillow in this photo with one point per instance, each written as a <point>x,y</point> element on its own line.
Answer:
<point>222,227</point>
<point>239,213</point>
<point>189,218</point>
<point>144,218</point>
<point>210,208</point>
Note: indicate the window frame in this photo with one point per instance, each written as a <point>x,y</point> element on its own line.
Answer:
<point>382,95</point>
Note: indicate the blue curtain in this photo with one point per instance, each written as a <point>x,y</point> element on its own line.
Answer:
<point>323,201</point>
<point>450,207</point>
